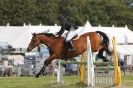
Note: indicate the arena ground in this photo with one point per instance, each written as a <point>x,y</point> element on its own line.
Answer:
<point>50,82</point>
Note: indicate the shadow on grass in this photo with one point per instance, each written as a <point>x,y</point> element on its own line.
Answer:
<point>64,85</point>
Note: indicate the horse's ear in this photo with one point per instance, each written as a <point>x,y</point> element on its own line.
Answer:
<point>33,34</point>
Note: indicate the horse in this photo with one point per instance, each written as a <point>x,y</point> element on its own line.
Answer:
<point>58,50</point>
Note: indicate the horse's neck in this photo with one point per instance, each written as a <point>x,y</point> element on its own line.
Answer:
<point>48,41</point>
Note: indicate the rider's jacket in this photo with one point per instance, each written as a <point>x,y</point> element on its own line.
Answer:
<point>65,25</point>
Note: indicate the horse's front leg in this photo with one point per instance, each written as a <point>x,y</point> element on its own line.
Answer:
<point>46,63</point>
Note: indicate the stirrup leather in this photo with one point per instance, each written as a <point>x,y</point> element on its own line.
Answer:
<point>71,47</point>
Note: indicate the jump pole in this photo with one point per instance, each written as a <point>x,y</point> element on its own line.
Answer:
<point>82,68</point>
<point>59,73</point>
<point>90,66</point>
<point>117,71</point>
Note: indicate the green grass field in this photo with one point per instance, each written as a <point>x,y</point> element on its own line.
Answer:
<point>50,82</point>
<point>127,81</point>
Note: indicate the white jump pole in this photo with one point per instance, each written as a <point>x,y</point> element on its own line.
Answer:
<point>90,66</point>
<point>59,72</point>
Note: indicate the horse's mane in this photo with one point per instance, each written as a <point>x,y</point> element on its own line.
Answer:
<point>48,34</point>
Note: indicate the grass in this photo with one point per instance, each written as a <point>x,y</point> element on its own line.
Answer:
<point>127,81</point>
<point>25,82</point>
<point>50,82</point>
<point>42,82</point>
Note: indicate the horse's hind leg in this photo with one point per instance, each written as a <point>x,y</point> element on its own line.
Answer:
<point>46,63</point>
<point>108,51</point>
<point>100,55</point>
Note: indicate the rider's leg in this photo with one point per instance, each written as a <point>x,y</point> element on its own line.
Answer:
<point>69,36</point>
<point>71,46</point>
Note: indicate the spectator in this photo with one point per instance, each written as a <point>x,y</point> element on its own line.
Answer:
<point>3,72</point>
<point>9,69</point>
<point>122,66</point>
<point>18,71</point>
<point>68,69</point>
<point>34,71</point>
<point>74,68</point>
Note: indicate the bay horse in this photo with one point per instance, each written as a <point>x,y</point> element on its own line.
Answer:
<point>57,47</point>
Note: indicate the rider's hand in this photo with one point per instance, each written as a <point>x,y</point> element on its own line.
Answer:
<point>56,35</point>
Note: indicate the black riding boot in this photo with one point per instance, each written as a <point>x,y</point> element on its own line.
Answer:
<point>71,47</point>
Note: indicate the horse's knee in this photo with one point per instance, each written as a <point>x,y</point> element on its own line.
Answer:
<point>47,62</point>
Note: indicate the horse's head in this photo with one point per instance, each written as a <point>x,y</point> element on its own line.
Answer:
<point>33,43</point>
<point>44,38</point>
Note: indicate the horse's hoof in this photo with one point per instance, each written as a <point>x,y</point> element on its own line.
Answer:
<point>36,76</point>
<point>105,60</point>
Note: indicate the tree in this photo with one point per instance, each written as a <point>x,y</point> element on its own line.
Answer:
<point>47,11</point>
<point>104,12</point>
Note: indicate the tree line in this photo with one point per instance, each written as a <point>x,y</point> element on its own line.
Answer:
<point>103,12</point>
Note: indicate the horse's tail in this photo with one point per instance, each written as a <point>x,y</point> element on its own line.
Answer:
<point>105,41</point>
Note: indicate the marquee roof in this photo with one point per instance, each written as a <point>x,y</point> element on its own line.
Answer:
<point>20,36</point>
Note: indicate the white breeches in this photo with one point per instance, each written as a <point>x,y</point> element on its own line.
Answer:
<point>71,34</point>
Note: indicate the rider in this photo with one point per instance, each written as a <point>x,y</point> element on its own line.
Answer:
<point>71,28</point>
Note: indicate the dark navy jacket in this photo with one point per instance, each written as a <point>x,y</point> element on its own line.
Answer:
<point>66,26</point>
